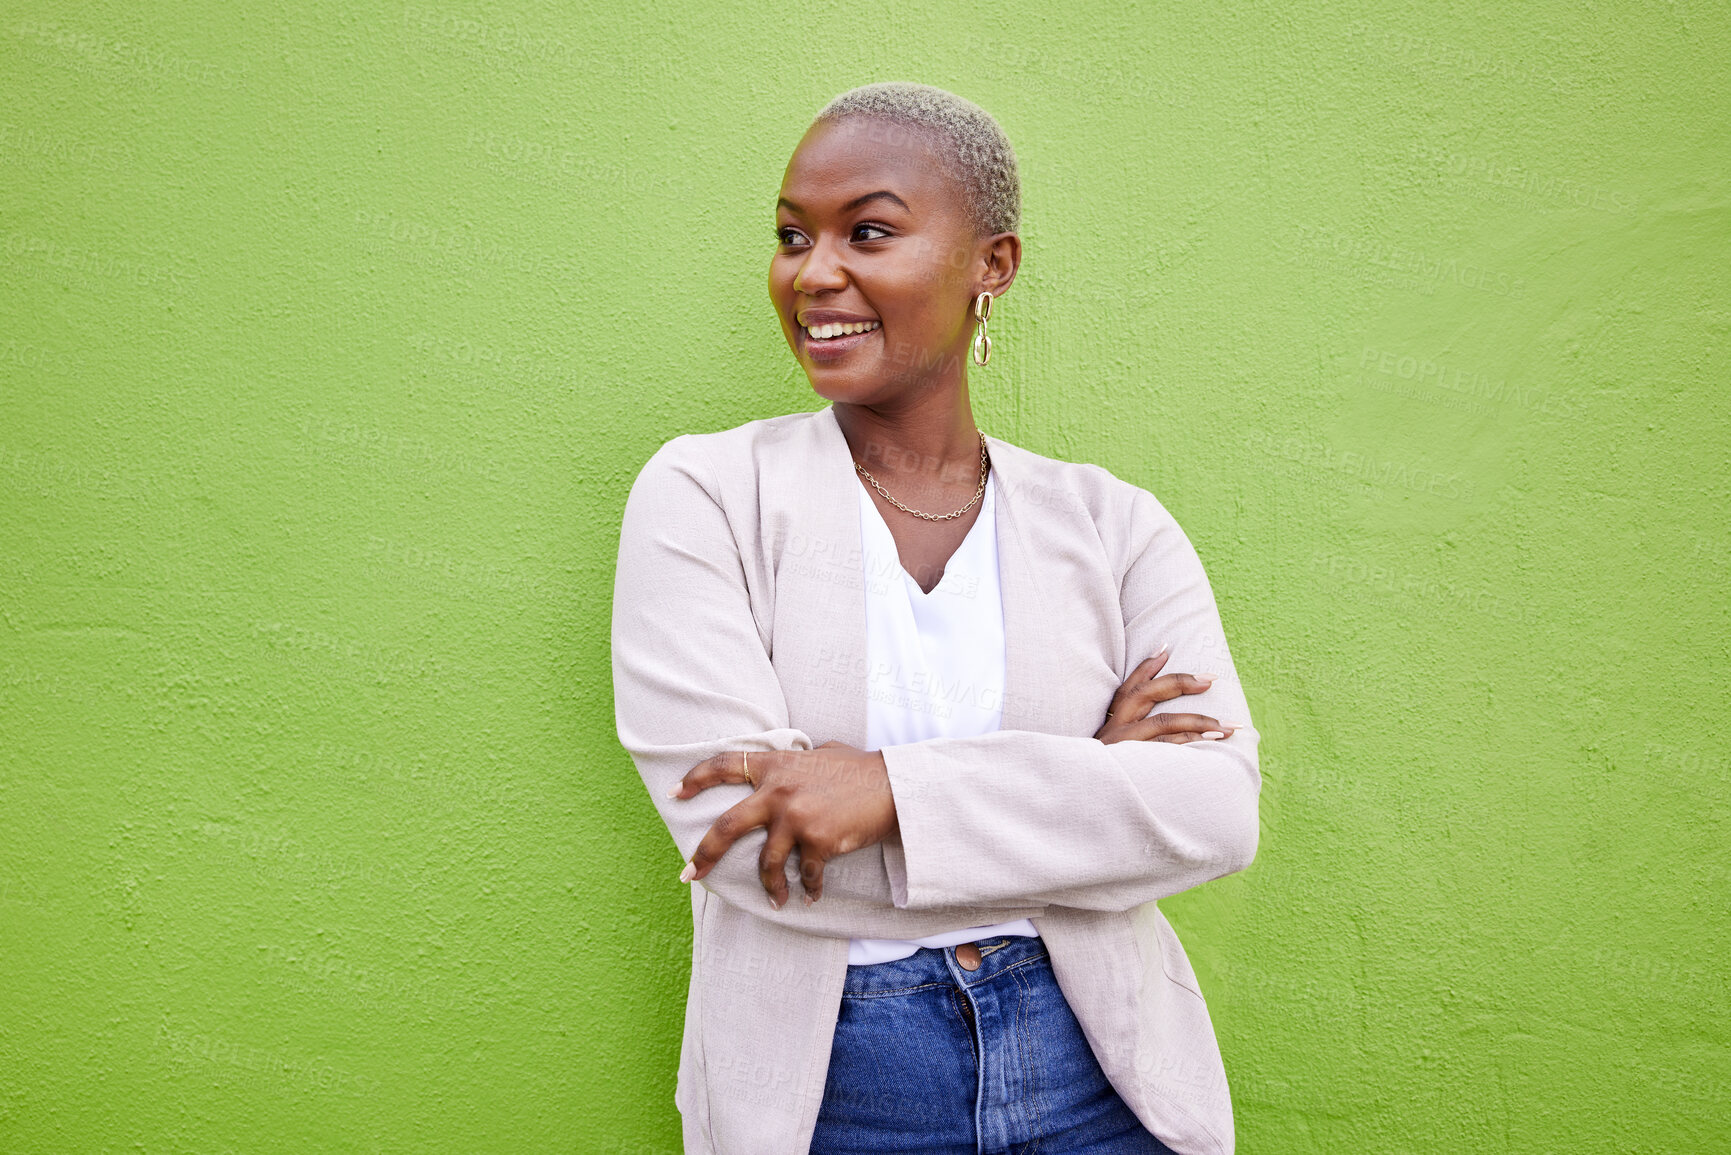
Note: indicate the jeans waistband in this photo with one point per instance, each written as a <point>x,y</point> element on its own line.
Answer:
<point>934,964</point>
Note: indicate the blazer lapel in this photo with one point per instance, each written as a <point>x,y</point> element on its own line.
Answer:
<point>1035,690</point>
<point>820,633</point>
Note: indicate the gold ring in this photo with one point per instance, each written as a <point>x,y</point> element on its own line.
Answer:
<point>745,755</point>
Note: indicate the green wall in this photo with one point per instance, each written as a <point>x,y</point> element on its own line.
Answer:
<point>332,335</point>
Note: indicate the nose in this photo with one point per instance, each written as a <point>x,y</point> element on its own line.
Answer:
<point>820,272</point>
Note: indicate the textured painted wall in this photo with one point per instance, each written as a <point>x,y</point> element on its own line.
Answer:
<point>331,336</point>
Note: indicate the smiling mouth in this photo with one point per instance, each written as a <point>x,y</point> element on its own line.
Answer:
<point>835,331</point>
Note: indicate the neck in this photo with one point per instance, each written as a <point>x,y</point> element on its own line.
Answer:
<point>933,437</point>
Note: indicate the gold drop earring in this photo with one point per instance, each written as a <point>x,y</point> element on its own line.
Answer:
<point>982,343</point>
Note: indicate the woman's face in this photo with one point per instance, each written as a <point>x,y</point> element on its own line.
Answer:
<point>872,230</point>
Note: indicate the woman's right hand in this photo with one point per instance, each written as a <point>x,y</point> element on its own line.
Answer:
<point>1127,718</point>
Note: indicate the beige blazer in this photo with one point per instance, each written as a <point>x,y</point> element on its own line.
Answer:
<point>739,623</point>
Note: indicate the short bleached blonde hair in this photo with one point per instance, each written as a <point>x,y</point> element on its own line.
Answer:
<point>975,151</point>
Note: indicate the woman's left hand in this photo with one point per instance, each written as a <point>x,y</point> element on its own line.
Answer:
<point>826,801</point>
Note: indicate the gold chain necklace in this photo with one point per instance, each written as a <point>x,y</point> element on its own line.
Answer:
<point>984,463</point>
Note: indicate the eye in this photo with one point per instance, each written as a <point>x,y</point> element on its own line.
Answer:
<point>872,227</point>
<point>782,234</point>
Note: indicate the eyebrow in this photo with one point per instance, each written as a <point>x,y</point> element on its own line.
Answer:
<point>853,204</point>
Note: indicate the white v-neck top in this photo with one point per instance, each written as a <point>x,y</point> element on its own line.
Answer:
<point>935,666</point>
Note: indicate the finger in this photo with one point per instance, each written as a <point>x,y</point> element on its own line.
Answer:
<point>705,774</point>
<point>1159,725</point>
<point>1169,686</point>
<point>1199,723</point>
<point>734,822</point>
<point>1123,699</point>
<point>772,861</point>
<point>811,875</point>
<point>726,767</point>
<point>1151,665</point>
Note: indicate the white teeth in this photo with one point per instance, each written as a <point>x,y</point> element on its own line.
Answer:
<point>825,332</point>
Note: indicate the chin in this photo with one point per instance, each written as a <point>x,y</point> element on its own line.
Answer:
<point>846,392</point>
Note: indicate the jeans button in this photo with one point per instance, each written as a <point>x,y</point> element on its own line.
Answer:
<point>968,955</point>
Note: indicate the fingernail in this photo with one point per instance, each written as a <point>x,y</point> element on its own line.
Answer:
<point>774,905</point>
<point>690,869</point>
<point>1206,679</point>
<point>1162,649</point>
<point>677,787</point>
<point>809,900</point>
<point>1212,734</point>
<point>1233,725</point>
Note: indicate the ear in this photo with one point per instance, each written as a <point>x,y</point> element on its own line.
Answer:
<point>1000,257</point>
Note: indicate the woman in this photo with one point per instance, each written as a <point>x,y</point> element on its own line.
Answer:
<point>922,663</point>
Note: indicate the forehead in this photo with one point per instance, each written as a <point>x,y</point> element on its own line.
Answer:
<point>838,161</point>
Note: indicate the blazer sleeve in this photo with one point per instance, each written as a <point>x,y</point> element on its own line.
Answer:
<point>1015,816</point>
<point>692,677</point>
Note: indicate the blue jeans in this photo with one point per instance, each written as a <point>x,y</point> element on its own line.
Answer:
<point>931,1057</point>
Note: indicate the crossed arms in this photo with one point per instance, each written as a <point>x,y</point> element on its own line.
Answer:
<point>989,827</point>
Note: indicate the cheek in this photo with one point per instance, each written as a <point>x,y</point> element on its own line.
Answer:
<point>923,317</point>
<point>948,269</point>
<point>931,299</point>
<point>780,293</point>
